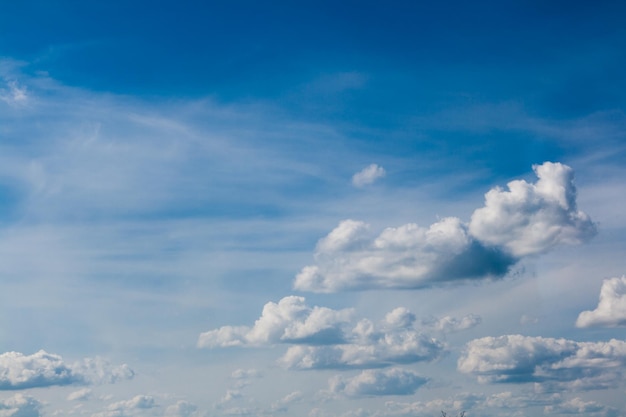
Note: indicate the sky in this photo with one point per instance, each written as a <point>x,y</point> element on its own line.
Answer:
<point>312,209</point>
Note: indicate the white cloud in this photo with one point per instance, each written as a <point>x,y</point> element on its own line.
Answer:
<point>551,363</point>
<point>393,381</point>
<point>409,256</point>
<point>528,219</point>
<point>368,175</point>
<point>14,94</point>
<point>134,406</point>
<point>611,309</point>
<point>42,369</point>
<point>20,406</point>
<point>80,395</point>
<point>288,321</point>
<point>282,405</point>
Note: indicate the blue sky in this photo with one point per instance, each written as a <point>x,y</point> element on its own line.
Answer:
<point>318,209</point>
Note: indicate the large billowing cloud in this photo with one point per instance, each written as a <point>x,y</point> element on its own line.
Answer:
<point>528,219</point>
<point>42,369</point>
<point>323,338</point>
<point>553,363</point>
<point>394,381</point>
<point>611,310</point>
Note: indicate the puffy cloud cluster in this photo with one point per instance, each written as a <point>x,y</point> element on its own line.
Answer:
<point>579,406</point>
<point>528,219</point>
<point>20,406</point>
<point>368,175</point>
<point>42,369</point>
<point>288,321</point>
<point>393,381</point>
<point>323,338</point>
<point>611,309</point>
<point>552,363</point>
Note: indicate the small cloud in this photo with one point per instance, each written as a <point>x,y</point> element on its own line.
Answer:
<point>288,321</point>
<point>14,95</point>
<point>611,309</point>
<point>80,395</point>
<point>282,405</point>
<point>329,339</point>
<point>394,381</point>
<point>368,175</point>
<point>181,409</point>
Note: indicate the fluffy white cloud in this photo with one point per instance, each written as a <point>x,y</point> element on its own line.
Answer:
<point>611,310</point>
<point>552,363</point>
<point>80,395</point>
<point>42,369</point>
<point>394,381</point>
<point>345,343</point>
<point>368,175</point>
<point>370,346</point>
<point>526,220</point>
<point>288,321</point>
<point>20,406</point>
<point>530,219</point>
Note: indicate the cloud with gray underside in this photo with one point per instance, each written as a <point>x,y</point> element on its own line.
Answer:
<point>526,219</point>
<point>43,369</point>
<point>553,364</point>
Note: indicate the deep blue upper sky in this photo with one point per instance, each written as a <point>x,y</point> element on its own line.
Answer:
<point>238,49</point>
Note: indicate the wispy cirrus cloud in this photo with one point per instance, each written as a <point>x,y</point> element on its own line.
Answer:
<point>368,175</point>
<point>528,219</point>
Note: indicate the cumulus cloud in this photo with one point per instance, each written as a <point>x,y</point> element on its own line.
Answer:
<point>42,369</point>
<point>611,309</point>
<point>528,219</point>
<point>326,338</point>
<point>134,406</point>
<point>80,395</point>
<point>20,406</point>
<point>551,363</point>
<point>368,175</point>
<point>288,321</point>
<point>394,381</point>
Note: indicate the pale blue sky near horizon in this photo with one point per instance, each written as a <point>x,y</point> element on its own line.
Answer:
<point>320,209</point>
